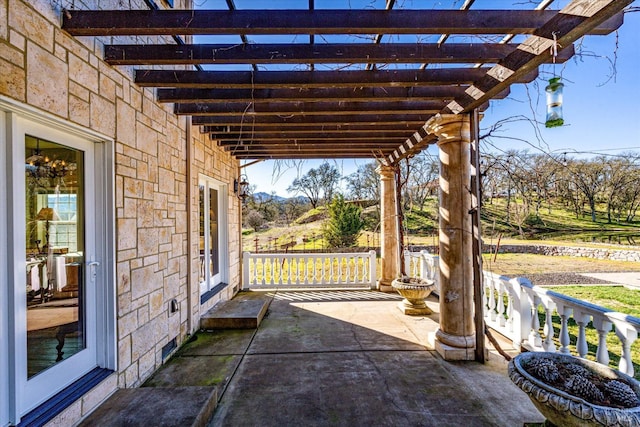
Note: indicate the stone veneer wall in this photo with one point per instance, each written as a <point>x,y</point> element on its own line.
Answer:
<point>44,67</point>
<point>549,250</point>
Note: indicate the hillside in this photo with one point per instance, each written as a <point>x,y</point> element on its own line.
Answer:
<point>557,224</point>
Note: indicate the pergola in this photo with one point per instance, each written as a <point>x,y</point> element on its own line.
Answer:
<point>396,81</point>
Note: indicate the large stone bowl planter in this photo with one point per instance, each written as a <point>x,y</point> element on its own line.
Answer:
<point>566,410</point>
<point>414,291</point>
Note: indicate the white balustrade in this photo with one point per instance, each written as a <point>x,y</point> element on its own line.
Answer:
<point>309,270</point>
<point>514,308</point>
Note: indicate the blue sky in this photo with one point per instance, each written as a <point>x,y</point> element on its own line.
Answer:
<point>601,109</point>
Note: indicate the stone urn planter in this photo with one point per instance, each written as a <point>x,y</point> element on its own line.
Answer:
<point>574,392</point>
<point>414,291</point>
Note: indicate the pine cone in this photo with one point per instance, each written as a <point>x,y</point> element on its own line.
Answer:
<point>583,388</point>
<point>621,394</point>
<point>576,369</point>
<point>545,370</point>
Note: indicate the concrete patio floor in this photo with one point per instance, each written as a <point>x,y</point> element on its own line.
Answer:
<point>353,359</point>
<point>344,358</point>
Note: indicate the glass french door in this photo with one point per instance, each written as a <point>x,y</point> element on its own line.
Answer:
<point>212,233</point>
<point>54,279</point>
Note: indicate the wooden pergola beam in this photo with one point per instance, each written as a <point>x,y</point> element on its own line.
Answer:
<point>296,136</point>
<point>309,108</point>
<point>311,145</point>
<point>297,155</point>
<point>245,22</point>
<point>258,129</point>
<point>313,79</point>
<point>345,119</point>
<point>296,53</point>
<point>422,93</point>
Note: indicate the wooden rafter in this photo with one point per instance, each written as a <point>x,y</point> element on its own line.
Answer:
<point>209,22</point>
<point>345,119</point>
<point>313,79</point>
<point>353,53</point>
<point>341,128</point>
<point>351,113</point>
<point>291,136</point>
<point>309,108</point>
<point>424,93</point>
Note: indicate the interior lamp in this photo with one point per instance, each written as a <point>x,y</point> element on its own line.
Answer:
<point>47,214</point>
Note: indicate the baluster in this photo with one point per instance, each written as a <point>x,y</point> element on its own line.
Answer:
<point>626,363</point>
<point>603,327</point>
<point>492,301</point>
<point>306,270</point>
<point>565,313</point>
<point>549,332</point>
<point>509,324</point>
<point>298,271</point>
<point>486,295</point>
<point>627,335</point>
<point>263,264</point>
<point>534,334</point>
<point>501,308</point>
<point>581,344</point>
<point>347,271</point>
<point>332,272</point>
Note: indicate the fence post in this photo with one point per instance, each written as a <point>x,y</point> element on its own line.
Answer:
<point>245,270</point>
<point>373,277</point>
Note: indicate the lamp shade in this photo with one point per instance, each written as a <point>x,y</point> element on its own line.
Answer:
<point>47,214</point>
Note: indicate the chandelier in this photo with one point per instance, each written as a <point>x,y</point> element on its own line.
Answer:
<point>39,165</point>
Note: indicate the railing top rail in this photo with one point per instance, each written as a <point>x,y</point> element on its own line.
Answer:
<point>308,254</point>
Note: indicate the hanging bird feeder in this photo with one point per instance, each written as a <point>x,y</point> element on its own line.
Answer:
<point>554,103</point>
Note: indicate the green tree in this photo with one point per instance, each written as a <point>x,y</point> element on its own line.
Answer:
<point>344,225</point>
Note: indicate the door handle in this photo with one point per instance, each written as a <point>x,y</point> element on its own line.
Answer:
<point>92,266</point>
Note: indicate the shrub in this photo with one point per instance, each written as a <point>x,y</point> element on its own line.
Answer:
<point>344,225</point>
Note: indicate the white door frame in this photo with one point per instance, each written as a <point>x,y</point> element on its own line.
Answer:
<point>17,117</point>
<point>223,231</point>
<point>4,266</point>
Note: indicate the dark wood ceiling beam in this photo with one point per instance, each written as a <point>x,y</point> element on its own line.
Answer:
<point>313,79</point>
<point>275,121</point>
<point>300,156</point>
<point>296,136</point>
<point>420,93</point>
<point>347,129</point>
<point>309,108</point>
<point>311,149</point>
<point>245,22</point>
<point>295,142</point>
<point>335,145</point>
<point>352,53</point>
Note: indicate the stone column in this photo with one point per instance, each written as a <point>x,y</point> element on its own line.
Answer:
<point>388,228</point>
<point>455,338</point>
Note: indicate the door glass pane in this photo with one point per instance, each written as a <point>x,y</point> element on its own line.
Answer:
<point>54,183</point>
<point>214,266</point>
<point>202,235</point>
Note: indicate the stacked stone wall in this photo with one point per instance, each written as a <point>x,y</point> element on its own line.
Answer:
<point>44,67</point>
<point>631,255</point>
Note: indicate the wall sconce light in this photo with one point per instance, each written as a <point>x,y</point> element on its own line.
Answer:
<point>241,187</point>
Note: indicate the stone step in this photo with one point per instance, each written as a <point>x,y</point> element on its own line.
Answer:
<point>244,311</point>
<point>156,406</point>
